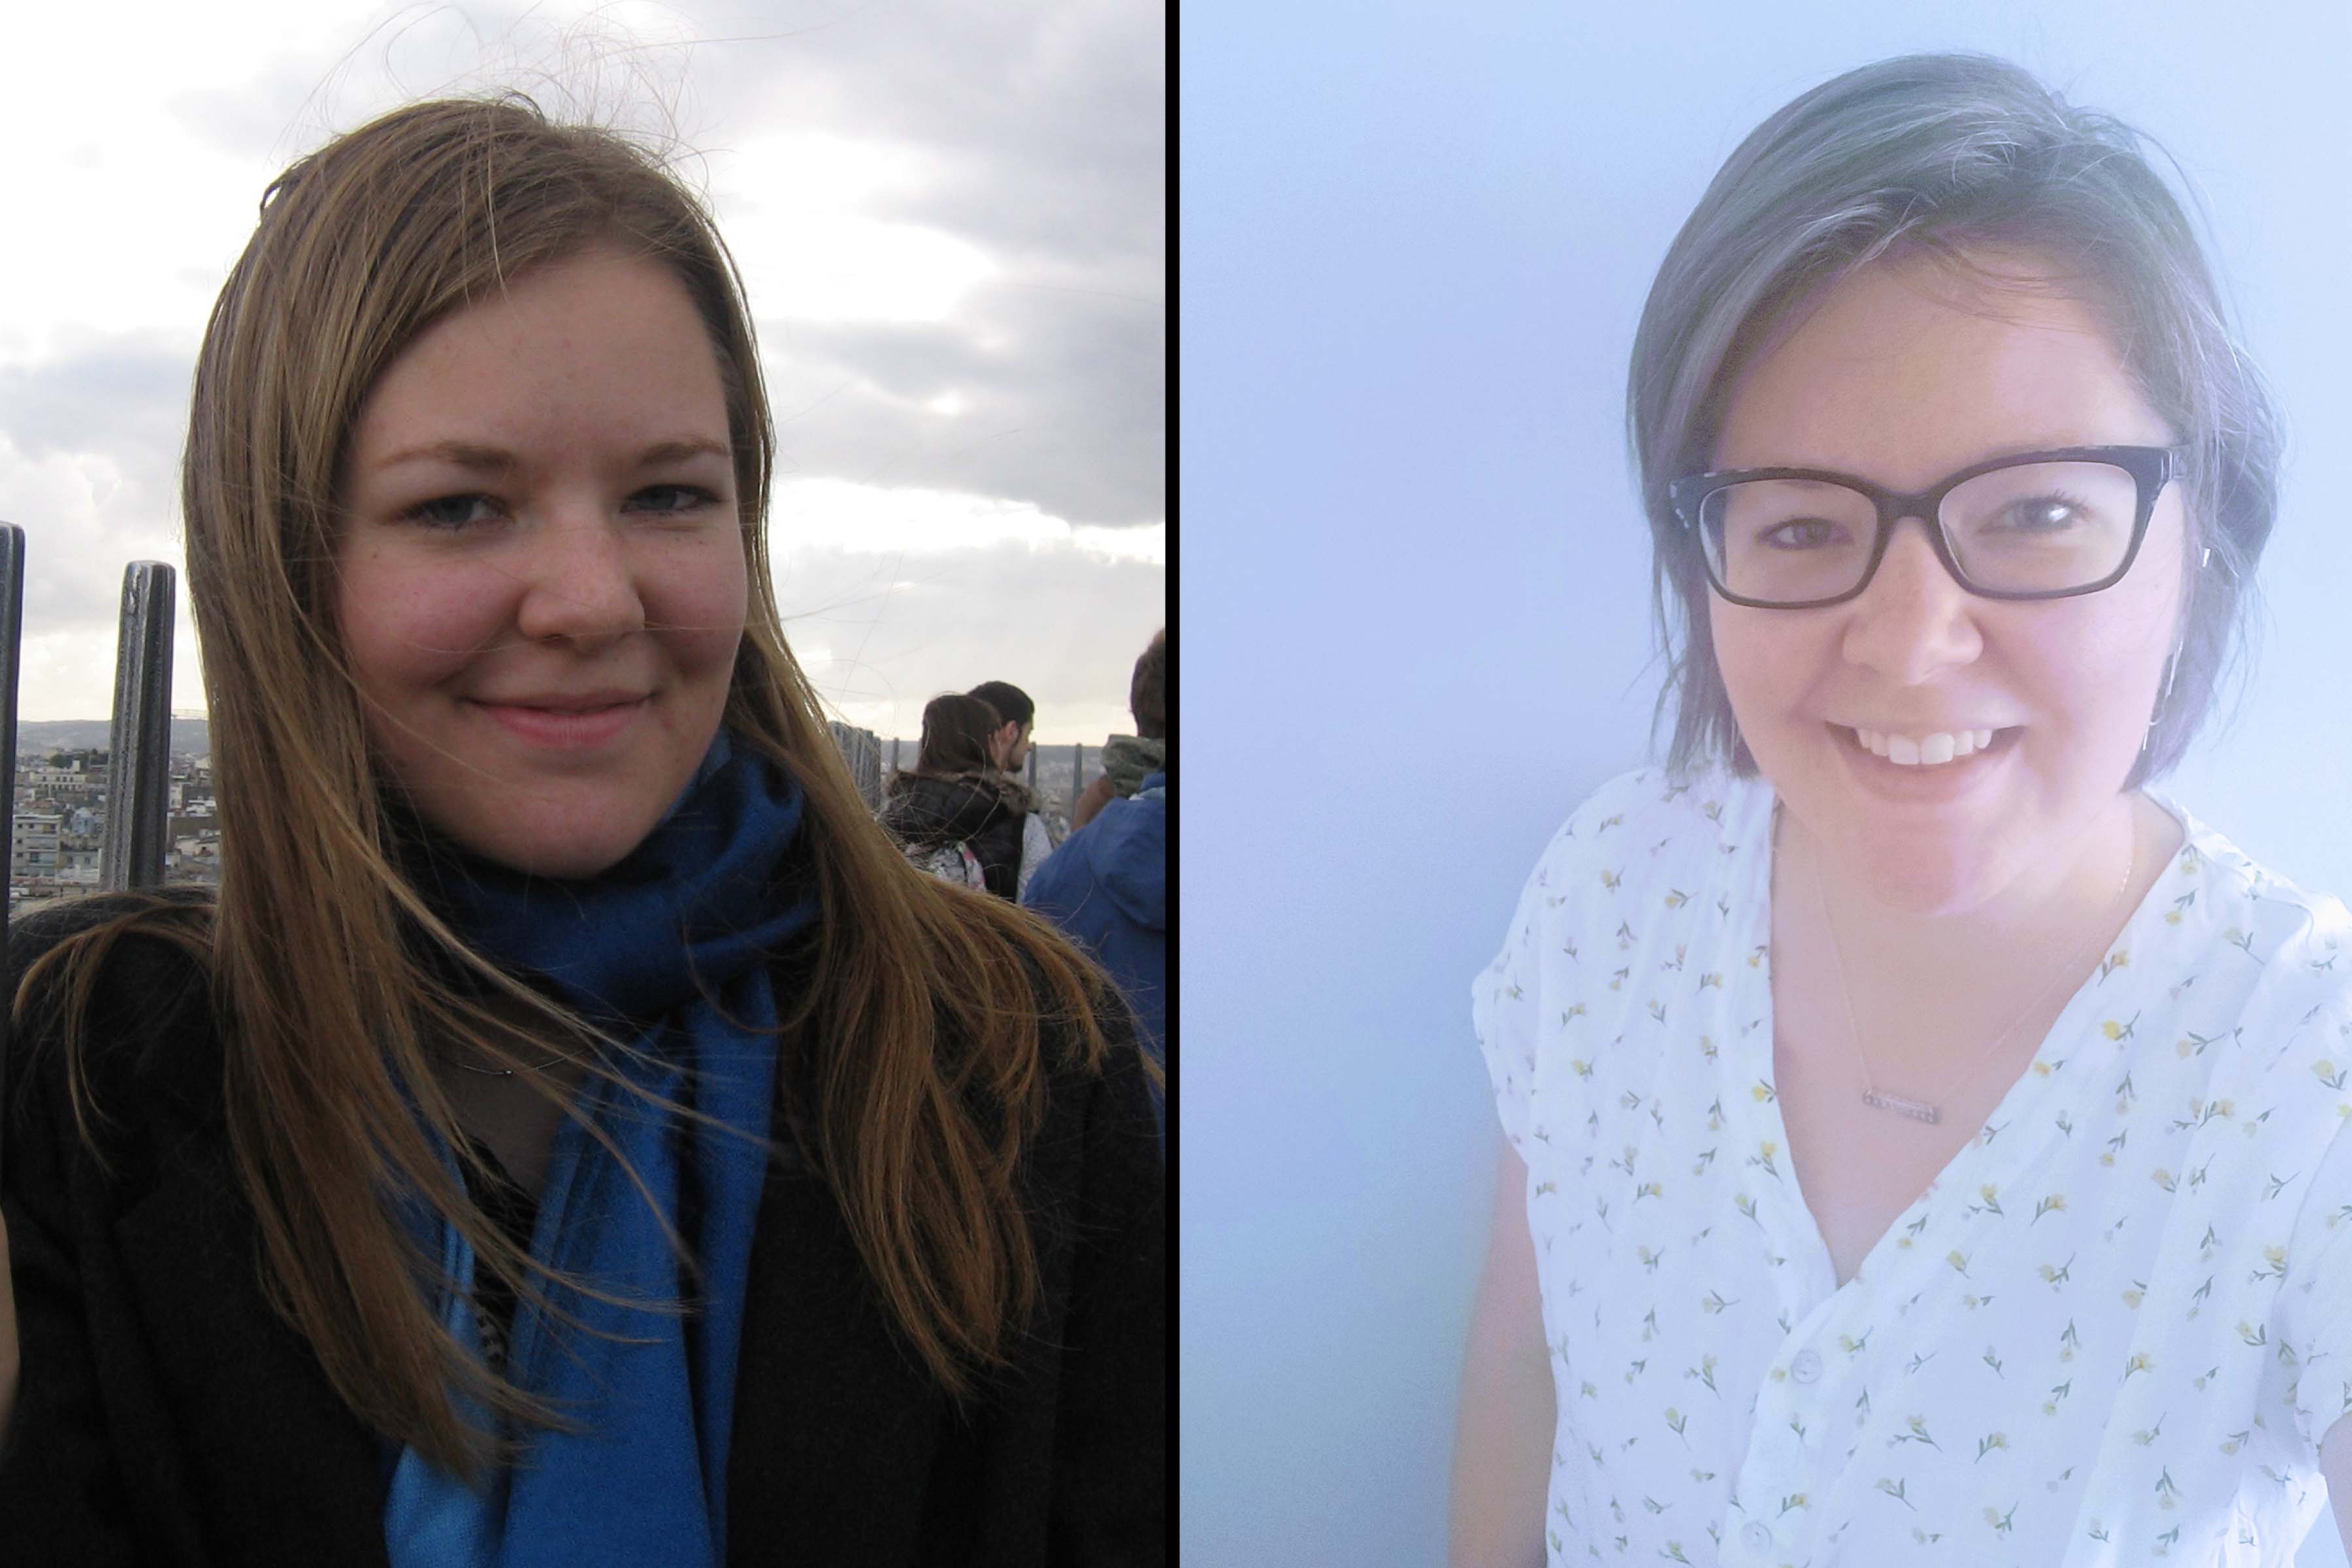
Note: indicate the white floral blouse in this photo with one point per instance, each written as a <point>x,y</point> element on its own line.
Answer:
<point>2113,1331</point>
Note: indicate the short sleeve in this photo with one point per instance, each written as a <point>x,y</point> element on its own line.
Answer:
<point>1503,1003</point>
<point>2313,1309</point>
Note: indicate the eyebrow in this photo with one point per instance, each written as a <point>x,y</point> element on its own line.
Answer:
<point>498,459</point>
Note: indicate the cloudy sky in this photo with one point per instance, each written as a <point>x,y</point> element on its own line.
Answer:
<point>950,217</point>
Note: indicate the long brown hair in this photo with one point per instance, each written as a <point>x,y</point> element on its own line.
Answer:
<point>913,1057</point>
<point>956,733</point>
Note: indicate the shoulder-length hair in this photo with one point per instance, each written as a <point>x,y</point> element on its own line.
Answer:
<point>912,1057</point>
<point>1944,155</point>
<point>956,733</point>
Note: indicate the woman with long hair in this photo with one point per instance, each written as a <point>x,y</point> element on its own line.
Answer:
<point>572,1131</point>
<point>955,807</point>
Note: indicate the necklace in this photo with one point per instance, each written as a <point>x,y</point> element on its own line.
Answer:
<point>1929,1111</point>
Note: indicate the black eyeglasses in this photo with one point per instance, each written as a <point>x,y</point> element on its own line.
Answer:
<point>2040,525</point>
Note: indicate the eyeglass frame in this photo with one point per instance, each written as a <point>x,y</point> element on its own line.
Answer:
<point>2151,469</point>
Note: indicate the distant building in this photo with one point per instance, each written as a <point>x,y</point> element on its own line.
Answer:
<point>33,845</point>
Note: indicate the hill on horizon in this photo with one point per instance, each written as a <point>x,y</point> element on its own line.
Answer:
<point>39,737</point>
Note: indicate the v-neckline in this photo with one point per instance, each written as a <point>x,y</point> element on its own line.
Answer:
<point>1751,1061</point>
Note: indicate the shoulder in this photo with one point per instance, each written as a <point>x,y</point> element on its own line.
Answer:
<point>136,1005</point>
<point>2242,929</point>
<point>145,968</point>
<point>1644,824</point>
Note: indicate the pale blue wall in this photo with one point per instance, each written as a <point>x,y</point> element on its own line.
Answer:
<point>1413,246</point>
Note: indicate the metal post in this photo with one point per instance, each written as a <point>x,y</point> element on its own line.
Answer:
<point>1033,773</point>
<point>894,756</point>
<point>138,772</point>
<point>1077,785</point>
<point>12,626</point>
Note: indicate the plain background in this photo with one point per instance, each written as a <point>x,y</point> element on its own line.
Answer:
<point>1414,242</point>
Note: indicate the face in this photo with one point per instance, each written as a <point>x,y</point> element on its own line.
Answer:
<point>1010,747</point>
<point>542,570</point>
<point>1903,374</point>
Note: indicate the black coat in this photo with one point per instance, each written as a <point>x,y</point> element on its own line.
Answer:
<point>166,1415</point>
<point>980,810</point>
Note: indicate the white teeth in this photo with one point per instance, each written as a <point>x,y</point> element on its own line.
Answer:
<point>1924,750</point>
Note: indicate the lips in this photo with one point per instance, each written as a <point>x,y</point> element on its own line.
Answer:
<point>566,721</point>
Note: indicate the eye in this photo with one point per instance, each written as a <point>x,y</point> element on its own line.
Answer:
<point>452,511</point>
<point>2043,514</point>
<point>1802,533</point>
<point>670,499</point>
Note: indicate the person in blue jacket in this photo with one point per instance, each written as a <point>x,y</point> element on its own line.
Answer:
<point>1108,884</point>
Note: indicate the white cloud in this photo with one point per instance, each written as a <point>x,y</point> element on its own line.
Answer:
<point>947,216</point>
<point>808,217</point>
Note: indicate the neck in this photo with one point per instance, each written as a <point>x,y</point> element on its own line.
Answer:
<point>1979,958</point>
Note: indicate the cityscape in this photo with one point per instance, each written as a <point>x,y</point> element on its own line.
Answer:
<point>57,831</point>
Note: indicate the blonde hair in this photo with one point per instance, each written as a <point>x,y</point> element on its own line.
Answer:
<point>911,1063</point>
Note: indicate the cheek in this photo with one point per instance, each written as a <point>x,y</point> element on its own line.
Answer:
<point>407,629</point>
<point>1766,657</point>
<point>704,596</point>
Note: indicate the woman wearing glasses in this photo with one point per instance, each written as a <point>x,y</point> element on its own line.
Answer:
<point>1920,1137</point>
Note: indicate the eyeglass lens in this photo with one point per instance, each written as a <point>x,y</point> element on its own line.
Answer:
<point>2033,528</point>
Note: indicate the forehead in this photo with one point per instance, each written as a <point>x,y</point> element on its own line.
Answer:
<point>593,346</point>
<point>1910,369</point>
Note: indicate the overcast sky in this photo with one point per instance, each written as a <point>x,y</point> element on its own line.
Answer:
<point>950,217</point>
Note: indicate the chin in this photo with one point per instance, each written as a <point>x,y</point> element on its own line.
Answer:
<point>568,851</point>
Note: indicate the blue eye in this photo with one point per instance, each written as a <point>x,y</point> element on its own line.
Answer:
<point>451,511</point>
<point>670,499</point>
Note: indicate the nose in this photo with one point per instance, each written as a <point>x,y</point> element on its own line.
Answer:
<point>579,583</point>
<point>1915,620</point>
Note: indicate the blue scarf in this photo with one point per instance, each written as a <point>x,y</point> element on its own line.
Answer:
<point>690,917</point>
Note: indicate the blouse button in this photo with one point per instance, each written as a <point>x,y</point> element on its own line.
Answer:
<point>1806,1367</point>
<point>1757,1537</point>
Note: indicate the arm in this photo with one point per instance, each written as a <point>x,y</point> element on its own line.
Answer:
<point>2335,1464</point>
<point>7,1336</point>
<point>1503,1435</point>
<point>1091,801</point>
<point>1110,1503</point>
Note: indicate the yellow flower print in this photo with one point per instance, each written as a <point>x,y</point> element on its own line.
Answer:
<point>2141,1362</point>
<point>1958,1261</point>
<point>2054,1204</point>
<point>1990,1442</point>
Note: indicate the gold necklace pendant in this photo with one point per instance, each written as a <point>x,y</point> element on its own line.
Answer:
<point>1913,1109</point>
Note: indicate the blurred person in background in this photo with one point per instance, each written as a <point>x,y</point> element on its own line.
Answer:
<point>573,1132</point>
<point>1129,760</point>
<point>1108,884</point>
<point>1016,716</point>
<point>956,812</point>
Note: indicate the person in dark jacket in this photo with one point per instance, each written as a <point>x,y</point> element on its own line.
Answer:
<point>573,1132</point>
<point>956,799</point>
<point>1108,884</point>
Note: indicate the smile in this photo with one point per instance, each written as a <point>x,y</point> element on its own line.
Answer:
<point>565,725</point>
<point>1924,751</point>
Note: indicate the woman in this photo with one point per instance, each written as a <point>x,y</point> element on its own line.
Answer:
<point>1922,1141</point>
<point>574,1132</point>
<point>957,812</point>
